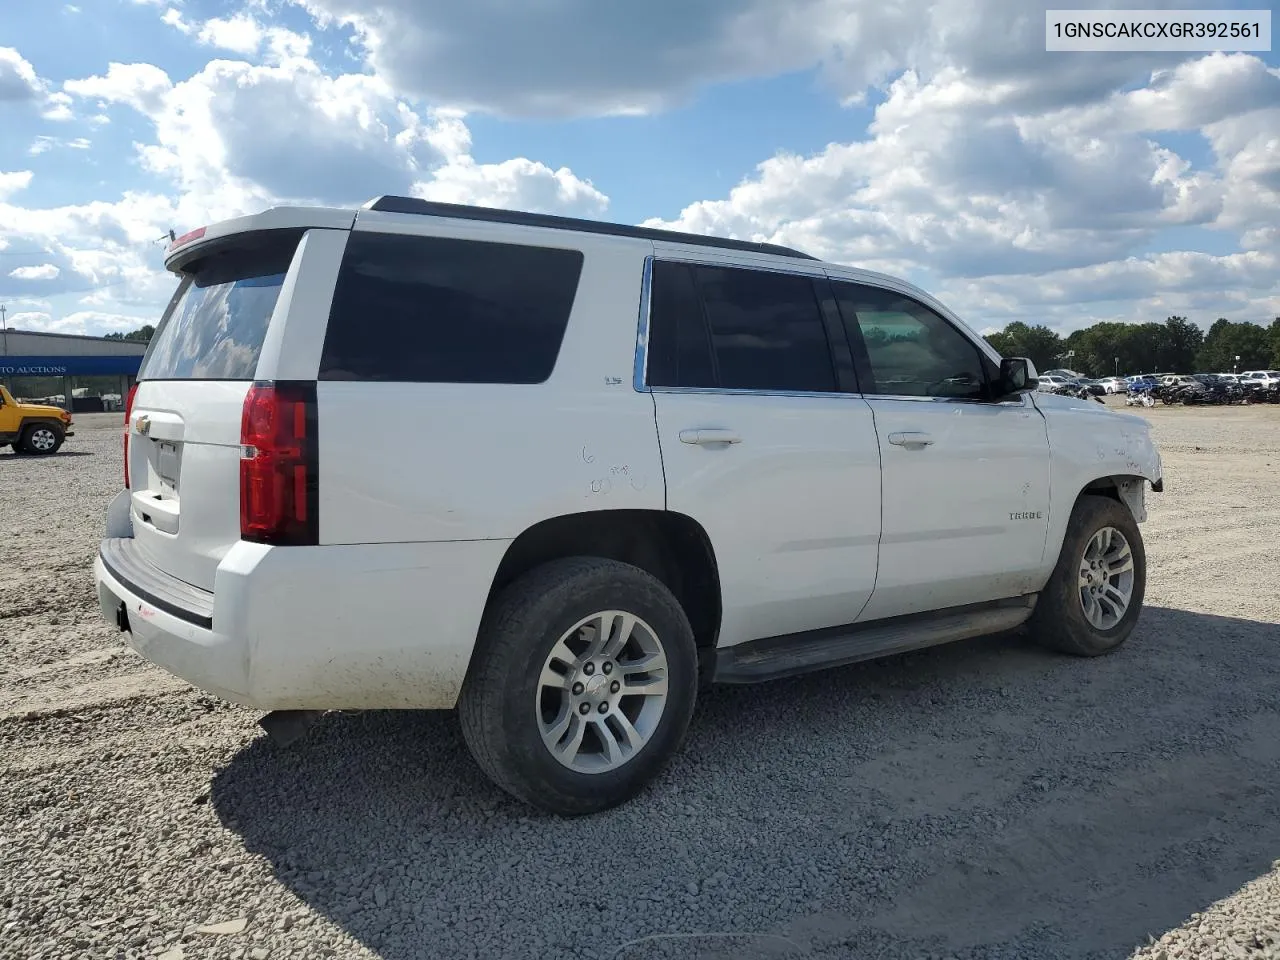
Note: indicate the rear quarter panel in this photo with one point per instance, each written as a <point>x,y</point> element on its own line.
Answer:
<point>414,462</point>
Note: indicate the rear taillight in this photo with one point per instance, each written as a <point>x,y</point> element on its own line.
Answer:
<point>278,489</point>
<point>128,412</point>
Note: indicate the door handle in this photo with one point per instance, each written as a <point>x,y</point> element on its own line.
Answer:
<point>910,438</point>
<point>704,437</point>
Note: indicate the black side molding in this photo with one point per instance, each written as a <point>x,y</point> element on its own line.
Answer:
<point>1157,486</point>
<point>790,655</point>
<point>140,577</point>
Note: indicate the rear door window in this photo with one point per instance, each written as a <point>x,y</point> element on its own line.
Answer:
<point>441,310</point>
<point>680,346</point>
<point>217,321</point>
<point>734,328</point>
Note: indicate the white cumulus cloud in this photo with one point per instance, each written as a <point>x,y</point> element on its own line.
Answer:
<point>140,85</point>
<point>584,58</point>
<point>13,181</point>
<point>960,181</point>
<point>238,136</point>
<point>239,33</point>
<point>44,271</point>
<point>514,184</point>
<point>1022,184</point>
<point>18,79</point>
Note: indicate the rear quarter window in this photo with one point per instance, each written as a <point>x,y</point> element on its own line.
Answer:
<point>441,310</point>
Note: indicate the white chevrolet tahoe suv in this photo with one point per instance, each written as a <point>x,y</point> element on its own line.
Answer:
<point>558,474</point>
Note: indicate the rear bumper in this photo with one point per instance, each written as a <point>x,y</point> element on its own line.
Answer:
<point>174,639</point>
<point>121,560</point>
<point>370,626</point>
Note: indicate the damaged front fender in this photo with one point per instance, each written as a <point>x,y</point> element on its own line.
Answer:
<point>1133,491</point>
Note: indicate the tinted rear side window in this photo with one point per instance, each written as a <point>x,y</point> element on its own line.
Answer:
<point>680,349</point>
<point>736,328</point>
<point>217,321</point>
<point>766,330</point>
<point>440,310</point>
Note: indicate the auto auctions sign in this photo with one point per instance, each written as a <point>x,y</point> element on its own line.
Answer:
<point>70,365</point>
<point>33,370</point>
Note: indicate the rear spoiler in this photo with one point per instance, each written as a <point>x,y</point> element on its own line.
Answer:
<point>188,246</point>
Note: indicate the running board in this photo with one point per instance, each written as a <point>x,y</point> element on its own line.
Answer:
<point>771,658</point>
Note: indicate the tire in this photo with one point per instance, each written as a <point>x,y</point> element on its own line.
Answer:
<point>509,717</point>
<point>42,439</point>
<point>1060,621</point>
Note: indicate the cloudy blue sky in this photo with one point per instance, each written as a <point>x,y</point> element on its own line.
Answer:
<point>931,138</point>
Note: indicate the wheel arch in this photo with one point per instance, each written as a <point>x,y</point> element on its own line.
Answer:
<point>672,547</point>
<point>27,423</point>
<point>1126,488</point>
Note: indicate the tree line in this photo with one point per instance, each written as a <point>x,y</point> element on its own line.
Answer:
<point>1122,349</point>
<point>143,334</point>
<point>1106,349</point>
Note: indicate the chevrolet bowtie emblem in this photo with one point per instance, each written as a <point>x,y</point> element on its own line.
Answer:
<point>142,425</point>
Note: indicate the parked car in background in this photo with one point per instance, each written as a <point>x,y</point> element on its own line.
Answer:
<point>1268,379</point>
<point>32,427</point>
<point>1113,385</point>
<point>1053,383</point>
<point>1221,389</point>
<point>575,470</point>
<point>1092,387</point>
<point>1181,388</point>
<point>1261,386</point>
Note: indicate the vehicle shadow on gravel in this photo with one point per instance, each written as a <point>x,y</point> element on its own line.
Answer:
<point>981,799</point>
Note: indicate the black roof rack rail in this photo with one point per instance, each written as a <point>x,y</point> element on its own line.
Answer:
<point>459,211</point>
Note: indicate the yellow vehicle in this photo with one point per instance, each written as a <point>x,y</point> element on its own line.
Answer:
<point>32,427</point>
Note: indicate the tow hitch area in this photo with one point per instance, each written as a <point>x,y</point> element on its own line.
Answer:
<point>286,726</point>
<point>122,617</point>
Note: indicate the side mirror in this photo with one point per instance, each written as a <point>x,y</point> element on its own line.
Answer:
<point>1017,376</point>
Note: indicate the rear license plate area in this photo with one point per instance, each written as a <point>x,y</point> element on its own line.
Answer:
<point>168,467</point>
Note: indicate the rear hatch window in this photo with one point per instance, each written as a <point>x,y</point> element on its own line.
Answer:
<point>217,321</point>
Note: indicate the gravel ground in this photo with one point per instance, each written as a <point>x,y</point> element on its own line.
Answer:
<point>982,800</point>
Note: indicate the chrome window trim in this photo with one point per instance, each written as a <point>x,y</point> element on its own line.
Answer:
<point>729,391</point>
<point>1020,402</point>
<point>739,392</point>
<point>814,269</point>
<point>640,367</point>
